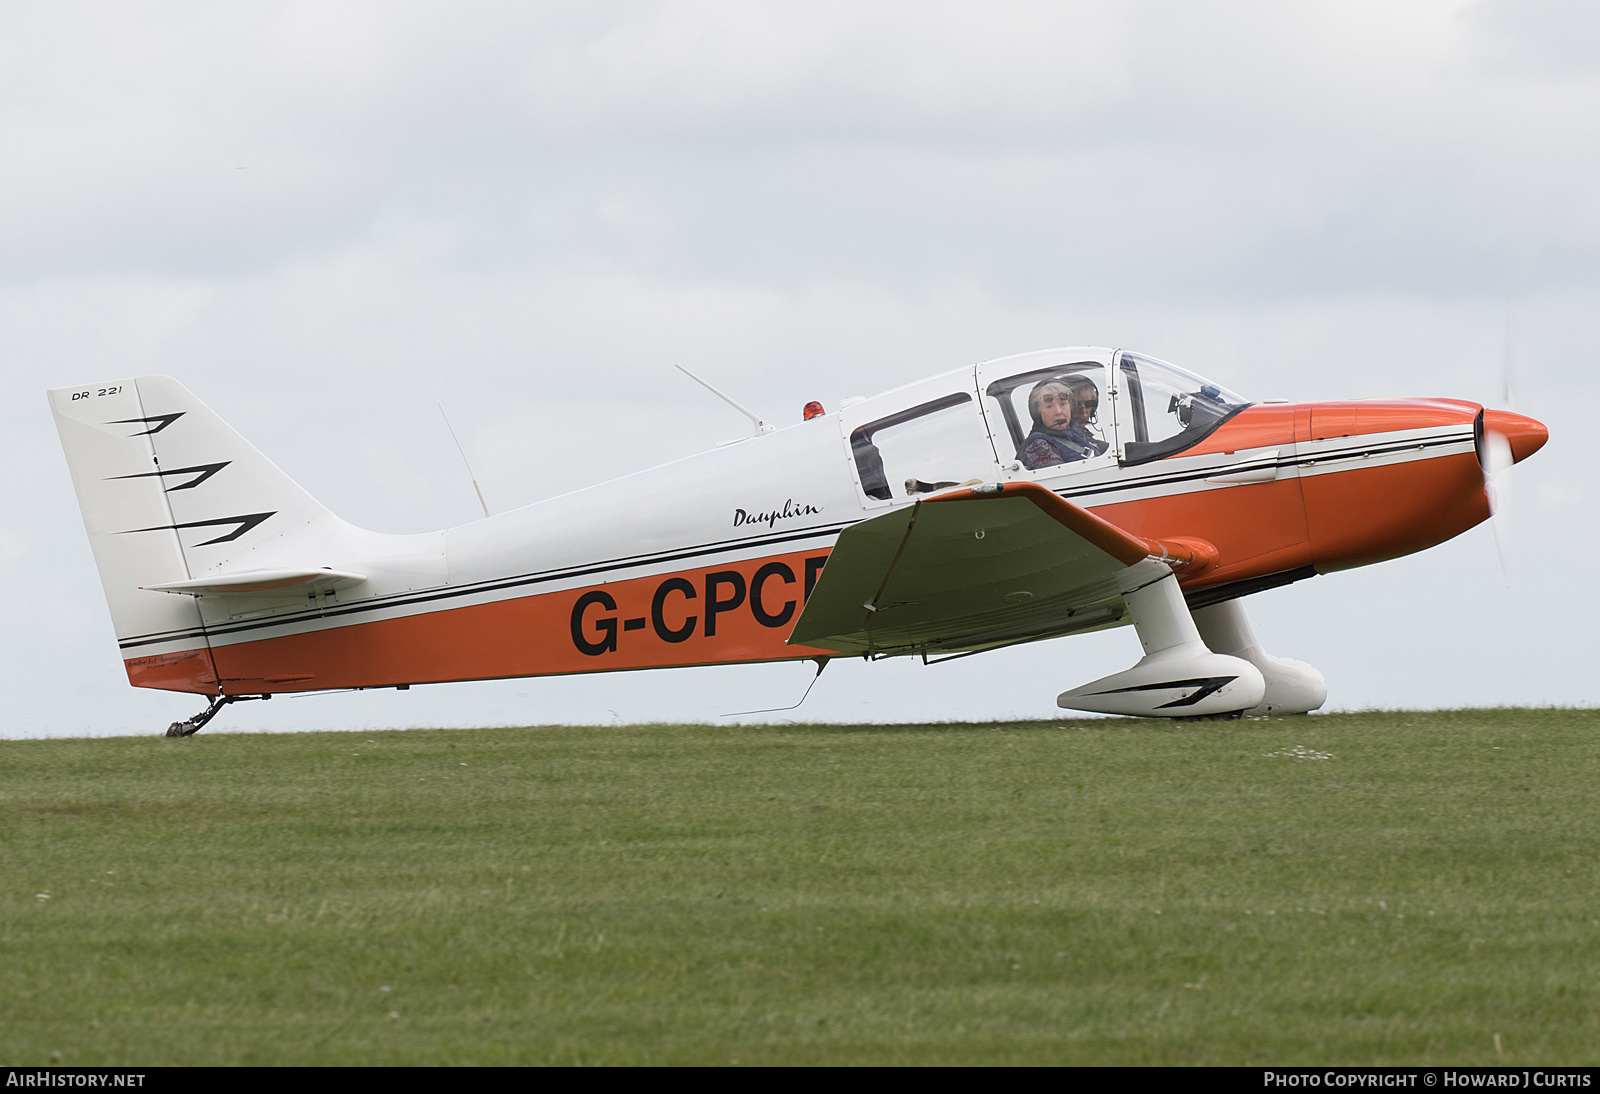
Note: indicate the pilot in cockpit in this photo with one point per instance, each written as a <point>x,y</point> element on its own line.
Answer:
<point>1060,421</point>
<point>1086,405</point>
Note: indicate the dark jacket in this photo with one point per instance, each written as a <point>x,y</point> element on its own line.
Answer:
<point>1048,447</point>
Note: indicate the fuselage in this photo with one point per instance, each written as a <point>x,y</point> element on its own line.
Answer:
<point>709,559</point>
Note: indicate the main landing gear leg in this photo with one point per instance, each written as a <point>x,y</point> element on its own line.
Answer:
<point>1293,687</point>
<point>193,725</point>
<point>1178,677</point>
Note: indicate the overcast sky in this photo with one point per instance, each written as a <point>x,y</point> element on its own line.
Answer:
<point>327,218</point>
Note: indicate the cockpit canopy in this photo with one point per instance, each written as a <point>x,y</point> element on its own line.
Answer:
<point>1054,413</point>
<point>1066,409</point>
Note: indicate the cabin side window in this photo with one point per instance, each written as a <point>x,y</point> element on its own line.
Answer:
<point>928,447</point>
<point>1052,415</point>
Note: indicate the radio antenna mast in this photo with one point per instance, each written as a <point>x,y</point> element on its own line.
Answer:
<point>464,459</point>
<point>761,425</point>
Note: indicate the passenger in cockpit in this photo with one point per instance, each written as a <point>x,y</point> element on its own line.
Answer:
<point>1056,437</point>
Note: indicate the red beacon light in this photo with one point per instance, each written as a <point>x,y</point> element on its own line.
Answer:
<point>813,409</point>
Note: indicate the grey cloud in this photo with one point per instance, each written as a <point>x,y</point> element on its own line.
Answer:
<point>1553,39</point>
<point>1203,154</point>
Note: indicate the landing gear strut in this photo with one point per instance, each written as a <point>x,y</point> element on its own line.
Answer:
<point>192,726</point>
<point>1178,677</point>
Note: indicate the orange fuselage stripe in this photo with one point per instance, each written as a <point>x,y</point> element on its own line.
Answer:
<point>740,611</point>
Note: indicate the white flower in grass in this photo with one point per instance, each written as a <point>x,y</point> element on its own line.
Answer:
<point>1299,752</point>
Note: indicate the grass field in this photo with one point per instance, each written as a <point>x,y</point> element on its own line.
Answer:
<point>1356,888</point>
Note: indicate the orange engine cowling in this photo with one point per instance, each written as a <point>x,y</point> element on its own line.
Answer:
<point>1525,435</point>
<point>1386,478</point>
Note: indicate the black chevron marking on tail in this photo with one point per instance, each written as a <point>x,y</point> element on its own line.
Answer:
<point>245,522</point>
<point>164,420</point>
<point>202,471</point>
<point>1208,685</point>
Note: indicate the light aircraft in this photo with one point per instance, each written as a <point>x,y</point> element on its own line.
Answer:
<point>939,519</point>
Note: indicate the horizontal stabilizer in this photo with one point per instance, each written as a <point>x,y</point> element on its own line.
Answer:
<point>970,570</point>
<point>263,583</point>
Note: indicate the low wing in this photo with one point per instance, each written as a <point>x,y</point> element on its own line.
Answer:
<point>972,570</point>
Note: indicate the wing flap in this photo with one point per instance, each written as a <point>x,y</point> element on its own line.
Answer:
<point>262,583</point>
<point>969,570</point>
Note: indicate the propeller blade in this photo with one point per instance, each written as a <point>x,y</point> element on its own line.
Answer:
<point>1496,461</point>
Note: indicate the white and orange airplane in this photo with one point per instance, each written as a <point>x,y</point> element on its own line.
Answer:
<point>1025,498</point>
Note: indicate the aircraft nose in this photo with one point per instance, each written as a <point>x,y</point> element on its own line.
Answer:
<point>1525,435</point>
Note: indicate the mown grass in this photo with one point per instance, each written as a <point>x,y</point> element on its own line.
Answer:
<point>1073,892</point>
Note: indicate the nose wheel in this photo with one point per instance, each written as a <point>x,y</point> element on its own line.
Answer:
<point>194,725</point>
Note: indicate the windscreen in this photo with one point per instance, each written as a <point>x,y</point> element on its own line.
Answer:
<point>1169,408</point>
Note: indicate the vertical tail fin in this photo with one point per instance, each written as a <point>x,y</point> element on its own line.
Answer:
<point>170,492</point>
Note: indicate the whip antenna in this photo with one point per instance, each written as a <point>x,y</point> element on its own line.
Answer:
<point>762,426</point>
<point>464,459</point>
<point>822,663</point>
